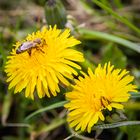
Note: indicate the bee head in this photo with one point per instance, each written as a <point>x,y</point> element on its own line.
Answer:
<point>18,51</point>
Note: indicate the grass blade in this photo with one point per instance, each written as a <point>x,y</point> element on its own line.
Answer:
<point>135,94</point>
<point>117,124</point>
<point>121,18</point>
<point>88,34</point>
<point>53,106</point>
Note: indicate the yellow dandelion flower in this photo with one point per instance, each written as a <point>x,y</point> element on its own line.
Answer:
<point>42,61</point>
<point>106,88</point>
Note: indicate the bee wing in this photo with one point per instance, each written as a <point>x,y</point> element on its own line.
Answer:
<point>26,45</point>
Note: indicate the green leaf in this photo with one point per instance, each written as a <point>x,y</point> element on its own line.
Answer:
<point>56,105</point>
<point>117,124</point>
<point>88,34</point>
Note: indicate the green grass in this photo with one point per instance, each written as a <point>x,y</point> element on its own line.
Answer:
<point>22,118</point>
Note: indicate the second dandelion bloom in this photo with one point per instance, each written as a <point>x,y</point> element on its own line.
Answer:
<point>106,88</point>
<point>42,61</point>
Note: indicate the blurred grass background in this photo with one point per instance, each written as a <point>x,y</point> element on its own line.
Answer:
<point>109,31</point>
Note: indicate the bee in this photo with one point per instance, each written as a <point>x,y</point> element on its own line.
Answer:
<point>28,46</point>
<point>104,101</point>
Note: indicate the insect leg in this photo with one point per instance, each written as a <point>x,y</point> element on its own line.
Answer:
<point>29,52</point>
<point>41,50</point>
<point>37,48</point>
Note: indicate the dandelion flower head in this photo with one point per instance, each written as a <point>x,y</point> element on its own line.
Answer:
<point>104,89</point>
<point>45,65</point>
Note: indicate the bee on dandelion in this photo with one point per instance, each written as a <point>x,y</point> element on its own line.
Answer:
<point>42,61</point>
<point>104,89</point>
